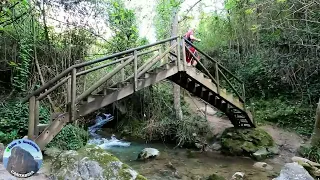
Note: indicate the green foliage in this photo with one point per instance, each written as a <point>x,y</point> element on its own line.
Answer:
<point>287,114</point>
<point>272,47</point>
<point>122,22</point>
<point>14,119</point>
<point>310,152</point>
<point>21,69</point>
<point>70,138</point>
<point>244,141</point>
<point>153,110</point>
<point>163,18</point>
<point>7,138</point>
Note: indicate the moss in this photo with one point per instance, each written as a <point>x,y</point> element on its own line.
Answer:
<point>140,177</point>
<point>107,161</point>
<point>124,174</point>
<point>215,177</point>
<point>244,141</point>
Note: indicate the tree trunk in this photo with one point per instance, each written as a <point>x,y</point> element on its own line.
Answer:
<point>315,138</point>
<point>176,88</point>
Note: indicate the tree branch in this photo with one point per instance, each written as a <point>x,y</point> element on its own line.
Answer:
<point>185,16</point>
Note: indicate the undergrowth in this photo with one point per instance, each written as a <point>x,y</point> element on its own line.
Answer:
<point>71,137</point>
<point>310,152</point>
<point>150,116</point>
<point>14,120</point>
<point>293,115</point>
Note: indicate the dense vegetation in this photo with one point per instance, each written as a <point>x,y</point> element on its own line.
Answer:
<point>271,45</point>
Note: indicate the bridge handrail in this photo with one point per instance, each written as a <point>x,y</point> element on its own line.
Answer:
<point>81,65</point>
<point>218,71</point>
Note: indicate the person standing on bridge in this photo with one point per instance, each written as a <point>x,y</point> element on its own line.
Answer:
<point>191,38</point>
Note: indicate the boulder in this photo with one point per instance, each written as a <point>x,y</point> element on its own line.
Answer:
<point>237,176</point>
<point>293,171</point>
<point>301,160</point>
<point>21,161</point>
<point>215,146</point>
<point>210,110</point>
<point>90,162</point>
<point>262,166</point>
<point>265,152</point>
<point>245,142</point>
<point>148,153</point>
<point>311,167</point>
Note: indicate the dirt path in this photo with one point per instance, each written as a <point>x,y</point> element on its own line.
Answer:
<point>288,142</point>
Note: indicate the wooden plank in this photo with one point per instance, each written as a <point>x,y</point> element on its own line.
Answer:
<point>135,67</point>
<point>68,70</point>
<point>100,102</point>
<point>52,130</point>
<point>103,80</point>
<point>53,88</point>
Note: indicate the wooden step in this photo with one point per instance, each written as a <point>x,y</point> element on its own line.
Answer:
<point>223,106</point>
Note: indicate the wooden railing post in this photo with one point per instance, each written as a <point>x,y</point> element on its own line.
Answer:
<point>205,113</point>
<point>161,60</point>
<point>36,118</point>
<point>178,53</point>
<point>32,104</point>
<point>184,54</point>
<point>217,77</point>
<point>243,94</point>
<point>122,71</point>
<point>135,67</point>
<point>69,95</point>
<point>73,93</point>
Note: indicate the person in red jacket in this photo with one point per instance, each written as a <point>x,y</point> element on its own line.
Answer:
<point>190,36</point>
<point>189,58</point>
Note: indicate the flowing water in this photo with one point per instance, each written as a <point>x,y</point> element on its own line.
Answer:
<point>175,163</point>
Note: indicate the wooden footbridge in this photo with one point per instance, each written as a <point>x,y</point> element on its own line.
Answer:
<point>163,63</point>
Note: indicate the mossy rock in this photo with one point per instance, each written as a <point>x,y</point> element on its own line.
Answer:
<point>215,177</point>
<point>245,142</point>
<point>91,162</point>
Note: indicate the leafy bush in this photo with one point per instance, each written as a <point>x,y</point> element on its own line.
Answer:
<point>70,138</point>
<point>288,114</point>
<point>14,117</point>
<point>310,152</point>
<point>150,116</point>
<point>6,138</point>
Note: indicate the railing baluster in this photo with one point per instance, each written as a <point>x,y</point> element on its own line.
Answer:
<point>178,54</point>
<point>243,94</point>
<point>69,95</point>
<point>32,103</point>
<point>217,77</point>
<point>135,67</point>
<point>73,94</point>
<point>36,118</point>
<point>122,71</point>
<point>184,54</point>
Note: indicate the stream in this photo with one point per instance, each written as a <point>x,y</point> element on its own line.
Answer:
<point>184,164</point>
